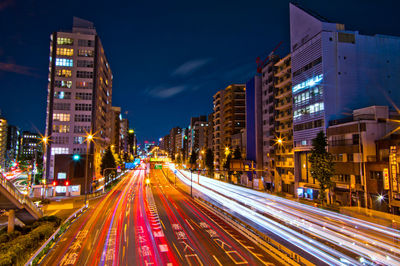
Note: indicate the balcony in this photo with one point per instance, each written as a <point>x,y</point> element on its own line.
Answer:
<point>284,92</point>
<point>283,105</point>
<point>283,117</point>
<point>284,82</point>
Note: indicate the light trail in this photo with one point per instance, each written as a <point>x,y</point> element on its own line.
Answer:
<point>369,241</point>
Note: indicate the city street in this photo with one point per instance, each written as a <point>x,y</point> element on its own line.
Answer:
<point>314,233</point>
<point>138,223</point>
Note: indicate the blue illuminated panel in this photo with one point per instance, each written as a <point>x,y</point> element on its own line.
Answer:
<point>309,83</point>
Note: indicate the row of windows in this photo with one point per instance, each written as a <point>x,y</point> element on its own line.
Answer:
<point>85,53</point>
<point>83,96</point>
<point>83,107</point>
<point>78,140</point>
<point>83,118</point>
<point>310,109</point>
<point>85,63</point>
<point>61,117</point>
<point>305,96</point>
<point>81,129</point>
<point>62,95</point>
<point>63,83</point>
<point>59,150</point>
<point>64,62</point>
<point>60,140</point>
<point>86,43</point>
<point>309,125</point>
<point>61,128</point>
<point>307,67</point>
<point>65,41</point>
<point>84,74</point>
<point>62,106</point>
<point>63,73</point>
<point>65,51</point>
<point>84,85</point>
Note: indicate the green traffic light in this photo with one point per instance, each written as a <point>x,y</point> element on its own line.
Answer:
<point>76,157</point>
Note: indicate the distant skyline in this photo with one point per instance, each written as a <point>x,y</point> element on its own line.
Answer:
<point>168,58</point>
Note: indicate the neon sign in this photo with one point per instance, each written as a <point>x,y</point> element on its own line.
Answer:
<point>309,83</point>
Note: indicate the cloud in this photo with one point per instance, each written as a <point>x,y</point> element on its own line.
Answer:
<point>190,66</point>
<point>23,70</point>
<point>163,92</point>
<point>5,3</point>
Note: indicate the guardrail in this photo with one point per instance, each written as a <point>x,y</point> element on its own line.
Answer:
<point>19,196</point>
<point>42,251</point>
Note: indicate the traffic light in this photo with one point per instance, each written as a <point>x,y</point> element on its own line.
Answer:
<point>76,157</point>
<point>67,183</point>
<point>54,183</point>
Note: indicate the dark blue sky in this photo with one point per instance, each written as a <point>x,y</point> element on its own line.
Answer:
<point>168,57</point>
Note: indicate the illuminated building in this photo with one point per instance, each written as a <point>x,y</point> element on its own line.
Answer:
<point>283,118</point>
<point>229,119</point>
<point>197,133</point>
<point>30,146</point>
<point>3,142</point>
<point>13,143</point>
<point>335,71</point>
<point>79,97</point>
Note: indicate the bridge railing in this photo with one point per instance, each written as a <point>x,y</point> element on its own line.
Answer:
<point>23,199</point>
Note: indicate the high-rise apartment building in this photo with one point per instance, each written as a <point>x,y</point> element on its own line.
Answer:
<point>13,142</point>
<point>268,122</point>
<point>115,128</point>
<point>229,119</point>
<point>30,146</point>
<point>335,71</point>
<point>79,97</point>
<point>197,134</point>
<point>3,142</point>
<point>283,156</point>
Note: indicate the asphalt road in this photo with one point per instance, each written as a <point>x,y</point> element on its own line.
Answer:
<point>155,224</point>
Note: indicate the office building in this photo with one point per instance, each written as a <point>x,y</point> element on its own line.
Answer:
<point>197,135</point>
<point>13,142</point>
<point>30,146</point>
<point>79,99</point>
<point>335,71</point>
<point>3,142</point>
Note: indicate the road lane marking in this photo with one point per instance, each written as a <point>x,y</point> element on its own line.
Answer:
<point>163,225</point>
<point>219,263</point>
<point>189,224</point>
<point>177,250</point>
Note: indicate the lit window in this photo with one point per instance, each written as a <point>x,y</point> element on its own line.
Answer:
<point>61,128</point>
<point>84,85</point>
<point>65,51</point>
<point>62,95</point>
<point>65,41</point>
<point>64,73</point>
<point>64,62</point>
<point>61,117</point>
<point>85,53</point>
<point>59,150</point>
<point>63,83</point>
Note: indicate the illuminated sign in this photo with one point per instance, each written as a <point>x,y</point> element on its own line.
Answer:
<point>386,179</point>
<point>393,167</point>
<point>61,176</point>
<point>309,83</point>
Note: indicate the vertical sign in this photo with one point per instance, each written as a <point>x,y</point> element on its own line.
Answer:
<point>385,179</point>
<point>393,167</point>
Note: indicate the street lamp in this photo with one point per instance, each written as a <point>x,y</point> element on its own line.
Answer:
<point>89,138</point>
<point>44,140</point>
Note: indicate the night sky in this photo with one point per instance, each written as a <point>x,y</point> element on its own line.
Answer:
<point>168,57</point>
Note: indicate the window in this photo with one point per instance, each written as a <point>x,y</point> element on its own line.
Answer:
<point>59,150</point>
<point>64,62</point>
<point>62,95</point>
<point>78,140</point>
<point>83,118</point>
<point>61,117</point>
<point>81,129</point>
<point>312,109</point>
<point>63,83</point>
<point>85,63</point>
<point>63,73</point>
<point>65,41</point>
<point>65,51</point>
<point>60,140</point>
<point>350,157</point>
<point>307,67</point>
<point>83,96</point>
<point>83,107</point>
<point>62,106</point>
<point>84,74</point>
<point>356,139</point>
<point>84,85</point>
<point>357,179</point>
<point>346,37</point>
<point>61,128</point>
<point>377,175</point>
<point>86,43</point>
<point>85,53</point>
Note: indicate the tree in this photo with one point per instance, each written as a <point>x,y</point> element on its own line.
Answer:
<point>210,162</point>
<point>108,161</point>
<point>237,154</point>
<point>322,166</point>
<point>193,159</point>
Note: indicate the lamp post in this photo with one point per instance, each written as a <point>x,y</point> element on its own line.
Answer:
<point>45,140</point>
<point>89,138</point>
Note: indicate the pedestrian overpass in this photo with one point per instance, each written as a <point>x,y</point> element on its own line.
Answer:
<point>18,204</point>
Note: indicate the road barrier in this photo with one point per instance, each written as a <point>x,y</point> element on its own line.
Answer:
<point>46,247</point>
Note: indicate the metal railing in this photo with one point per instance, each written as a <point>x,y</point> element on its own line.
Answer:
<point>23,199</point>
